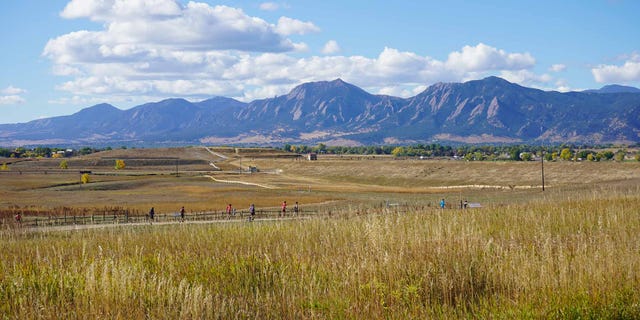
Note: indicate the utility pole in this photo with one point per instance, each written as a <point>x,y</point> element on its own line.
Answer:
<point>542,165</point>
<point>542,156</point>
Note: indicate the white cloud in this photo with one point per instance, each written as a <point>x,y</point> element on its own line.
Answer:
<point>558,68</point>
<point>628,72</point>
<point>11,95</point>
<point>11,99</point>
<point>401,91</point>
<point>562,86</point>
<point>134,30</point>
<point>331,47</point>
<point>105,10</point>
<point>197,51</point>
<point>288,26</point>
<point>11,90</point>
<point>526,78</point>
<point>269,6</point>
<point>232,73</point>
<point>483,57</point>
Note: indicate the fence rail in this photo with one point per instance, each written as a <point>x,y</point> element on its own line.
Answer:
<point>125,218</point>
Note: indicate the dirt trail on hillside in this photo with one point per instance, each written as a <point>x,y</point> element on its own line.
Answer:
<point>241,182</point>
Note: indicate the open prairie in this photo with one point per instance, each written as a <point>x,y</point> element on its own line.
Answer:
<point>204,179</point>
<point>375,244</point>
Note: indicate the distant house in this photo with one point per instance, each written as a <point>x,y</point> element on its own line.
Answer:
<point>312,156</point>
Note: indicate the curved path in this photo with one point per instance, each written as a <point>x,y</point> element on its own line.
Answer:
<point>241,182</point>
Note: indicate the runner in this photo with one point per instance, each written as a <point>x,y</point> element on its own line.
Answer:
<point>284,208</point>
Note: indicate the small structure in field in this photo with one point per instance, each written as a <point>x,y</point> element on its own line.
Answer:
<point>311,156</point>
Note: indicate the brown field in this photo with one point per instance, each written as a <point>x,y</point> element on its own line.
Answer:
<point>376,246</point>
<point>172,177</point>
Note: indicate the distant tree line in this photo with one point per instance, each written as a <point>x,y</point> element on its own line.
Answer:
<point>523,152</point>
<point>47,152</point>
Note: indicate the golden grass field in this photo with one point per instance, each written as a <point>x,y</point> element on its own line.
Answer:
<point>572,251</point>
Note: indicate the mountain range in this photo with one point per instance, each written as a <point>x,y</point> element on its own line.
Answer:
<point>491,110</point>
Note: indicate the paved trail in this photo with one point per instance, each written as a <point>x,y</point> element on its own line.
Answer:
<point>124,225</point>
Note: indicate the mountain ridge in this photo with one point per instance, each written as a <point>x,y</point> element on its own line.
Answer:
<point>490,110</point>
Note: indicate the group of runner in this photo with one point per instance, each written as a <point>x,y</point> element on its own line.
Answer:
<point>252,210</point>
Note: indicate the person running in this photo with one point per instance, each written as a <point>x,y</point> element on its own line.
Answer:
<point>295,208</point>
<point>182,214</point>
<point>252,212</point>
<point>18,218</point>
<point>229,210</point>
<point>284,208</point>
<point>442,204</point>
<point>152,214</point>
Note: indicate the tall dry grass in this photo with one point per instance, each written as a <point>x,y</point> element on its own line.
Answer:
<point>562,257</point>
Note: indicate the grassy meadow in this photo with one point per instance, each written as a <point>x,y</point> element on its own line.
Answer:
<point>572,251</point>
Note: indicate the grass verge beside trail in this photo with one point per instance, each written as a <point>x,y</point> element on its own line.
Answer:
<point>576,258</point>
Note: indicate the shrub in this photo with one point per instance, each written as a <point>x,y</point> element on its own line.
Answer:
<point>64,164</point>
<point>85,178</point>
<point>4,167</point>
<point>566,154</point>
<point>120,164</point>
<point>526,156</point>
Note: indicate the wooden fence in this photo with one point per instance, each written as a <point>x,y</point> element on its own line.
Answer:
<point>125,217</point>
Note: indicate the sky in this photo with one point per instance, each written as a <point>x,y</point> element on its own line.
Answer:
<point>58,57</point>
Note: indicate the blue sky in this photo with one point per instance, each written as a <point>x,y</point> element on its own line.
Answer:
<point>61,56</point>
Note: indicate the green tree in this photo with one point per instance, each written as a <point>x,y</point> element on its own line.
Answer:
<point>548,156</point>
<point>320,148</point>
<point>637,156</point>
<point>85,150</point>
<point>514,153</point>
<point>608,155</point>
<point>64,164</point>
<point>619,156</point>
<point>526,156</point>
<point>42,151</point>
